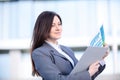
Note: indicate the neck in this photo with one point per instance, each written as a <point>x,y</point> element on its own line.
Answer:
<point>52,41</point>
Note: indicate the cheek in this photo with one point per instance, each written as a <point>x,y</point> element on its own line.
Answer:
<point>51,33</point>
<point>61,29</point>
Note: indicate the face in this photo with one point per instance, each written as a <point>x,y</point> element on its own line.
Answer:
<point>56,29</point>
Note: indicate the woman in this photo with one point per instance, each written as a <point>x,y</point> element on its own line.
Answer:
<point>52,61</point>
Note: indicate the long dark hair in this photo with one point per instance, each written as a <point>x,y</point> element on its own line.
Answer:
<point>41,32</point>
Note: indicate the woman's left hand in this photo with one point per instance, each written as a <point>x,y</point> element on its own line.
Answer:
<point>107,53</point>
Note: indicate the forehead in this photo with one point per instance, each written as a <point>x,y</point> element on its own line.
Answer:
<point>56,19</point>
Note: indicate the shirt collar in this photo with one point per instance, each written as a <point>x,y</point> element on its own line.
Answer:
<point>53,45</point>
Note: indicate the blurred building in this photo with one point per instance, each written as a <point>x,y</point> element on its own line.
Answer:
<point>81,21</point>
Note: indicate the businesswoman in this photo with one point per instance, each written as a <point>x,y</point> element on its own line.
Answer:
<point>53,61</point>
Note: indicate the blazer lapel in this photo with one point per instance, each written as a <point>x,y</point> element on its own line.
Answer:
<point>53,51</point>
<point>70,54</point>
<point>66,51</point>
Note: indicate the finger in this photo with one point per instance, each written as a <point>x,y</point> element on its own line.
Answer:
<point>105,44</point>
<point>96,63</point>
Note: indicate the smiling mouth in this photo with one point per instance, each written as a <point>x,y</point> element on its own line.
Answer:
<point>58,33</point>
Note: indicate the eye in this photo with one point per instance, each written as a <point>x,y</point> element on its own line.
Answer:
<point>60,23</point>
<point>53,25</point>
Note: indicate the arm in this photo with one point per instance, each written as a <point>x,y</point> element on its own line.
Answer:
<point>102,64</point>
<point>95,69</point>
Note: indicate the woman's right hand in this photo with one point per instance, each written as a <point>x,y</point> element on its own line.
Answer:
<point>93,68</point>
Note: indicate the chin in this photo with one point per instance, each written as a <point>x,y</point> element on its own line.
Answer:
<point>58,38</point>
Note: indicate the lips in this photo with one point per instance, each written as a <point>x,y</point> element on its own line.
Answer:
<point>57,32</point>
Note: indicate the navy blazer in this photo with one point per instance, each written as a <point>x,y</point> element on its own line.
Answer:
<point>51,65</point>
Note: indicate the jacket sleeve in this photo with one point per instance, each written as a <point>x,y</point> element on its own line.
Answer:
<point>49,71</point>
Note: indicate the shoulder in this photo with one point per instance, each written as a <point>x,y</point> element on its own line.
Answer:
<point>44,49</point>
